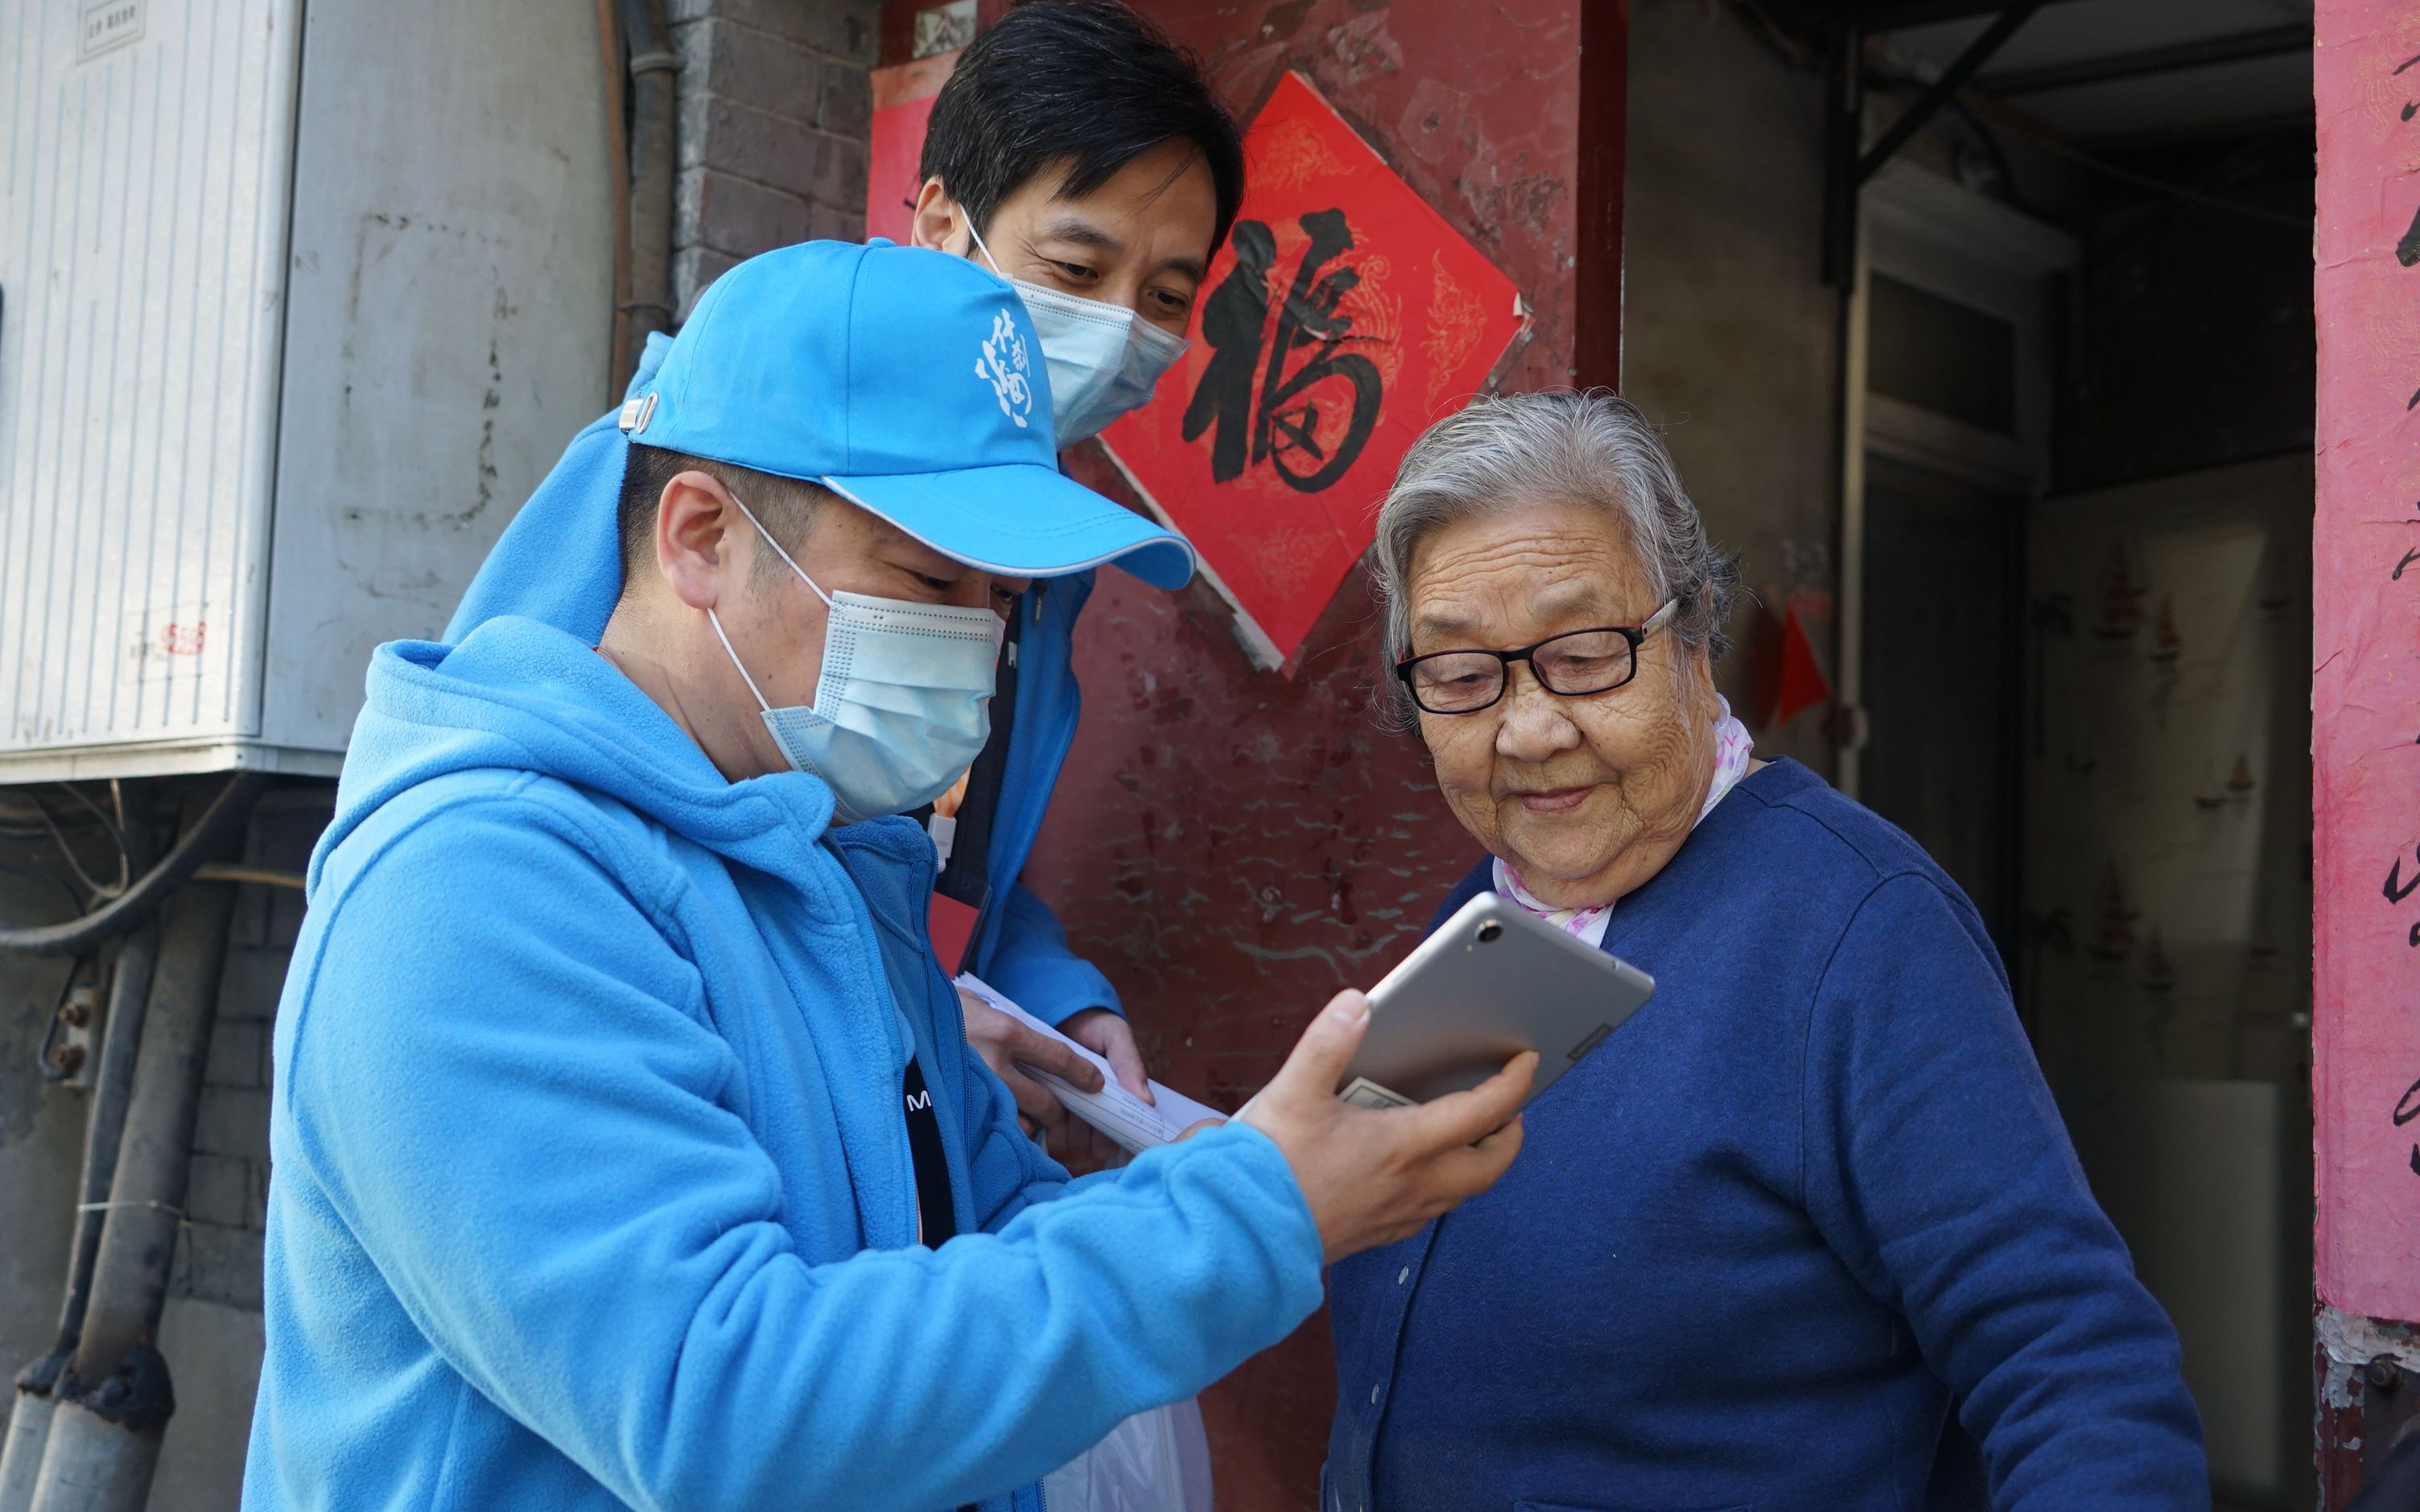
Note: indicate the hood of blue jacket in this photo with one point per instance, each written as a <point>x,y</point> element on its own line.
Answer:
<point>523,696</point>
<point>516,685</point>
<point>560,560</point>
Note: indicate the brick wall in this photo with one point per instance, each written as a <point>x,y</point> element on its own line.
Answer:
<point>218,1252</point>
<point>774,108</point>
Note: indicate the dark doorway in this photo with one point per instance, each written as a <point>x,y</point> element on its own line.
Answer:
<point>1941,672</point>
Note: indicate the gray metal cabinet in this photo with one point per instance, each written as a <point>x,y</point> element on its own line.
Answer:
<point>298,300</point>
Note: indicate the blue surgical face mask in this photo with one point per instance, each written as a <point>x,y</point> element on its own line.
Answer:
<point>1104,360</point>
<point>902,704</point>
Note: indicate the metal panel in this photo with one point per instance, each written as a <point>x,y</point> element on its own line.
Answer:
<point>143,177</point>
<point>450,319</point>
<point>165,758</point>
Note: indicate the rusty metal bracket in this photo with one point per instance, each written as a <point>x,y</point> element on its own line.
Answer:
<point>1847,166</point>
<point>1953,79</point>
<point>2367,1374</point>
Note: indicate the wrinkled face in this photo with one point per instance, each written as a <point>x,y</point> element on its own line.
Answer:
<point>1585,798</point>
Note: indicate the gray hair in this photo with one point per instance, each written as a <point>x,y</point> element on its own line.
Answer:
<point>1587,448</point>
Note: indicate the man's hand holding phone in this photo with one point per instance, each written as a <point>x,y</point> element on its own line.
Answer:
<point>1375,1176</point>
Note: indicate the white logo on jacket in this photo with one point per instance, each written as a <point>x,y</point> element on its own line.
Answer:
<point>1005,366</point>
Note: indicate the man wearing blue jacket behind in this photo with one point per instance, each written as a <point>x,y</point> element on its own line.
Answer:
<point>1077,151</point>
<point>628,1146</point>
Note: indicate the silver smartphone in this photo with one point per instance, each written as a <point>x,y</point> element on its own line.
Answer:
<point>1492,981</point>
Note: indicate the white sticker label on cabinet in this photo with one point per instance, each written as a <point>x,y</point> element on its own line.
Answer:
<point>107,24</point>
<point>169,645</point>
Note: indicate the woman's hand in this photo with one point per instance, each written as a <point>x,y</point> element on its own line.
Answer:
<point>1375,1176</point>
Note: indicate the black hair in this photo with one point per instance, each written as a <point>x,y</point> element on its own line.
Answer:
<point>784,505</point>
<point>1086,83</point>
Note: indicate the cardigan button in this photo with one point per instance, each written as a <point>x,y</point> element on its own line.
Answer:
<point>1373,1394</point>
<point>1402,1276</point>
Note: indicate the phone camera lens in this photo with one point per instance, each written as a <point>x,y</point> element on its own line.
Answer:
<point>1488,931</point>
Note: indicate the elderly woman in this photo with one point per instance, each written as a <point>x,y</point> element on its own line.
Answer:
<point>1806,1232</point>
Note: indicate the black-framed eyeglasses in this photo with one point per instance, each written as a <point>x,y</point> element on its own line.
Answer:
<point>1571,665</point>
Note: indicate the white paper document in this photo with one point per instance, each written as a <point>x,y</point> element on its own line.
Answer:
<point>1135,1124</point>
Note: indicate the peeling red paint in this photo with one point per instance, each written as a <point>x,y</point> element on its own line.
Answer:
<point>2368,1395</point>
<point>2337,1430</point>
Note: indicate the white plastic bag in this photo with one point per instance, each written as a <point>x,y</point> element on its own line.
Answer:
<point>1154,1461</point>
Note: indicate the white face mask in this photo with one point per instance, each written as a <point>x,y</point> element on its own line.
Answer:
<point>902,704</point>
<point>1104,360</point>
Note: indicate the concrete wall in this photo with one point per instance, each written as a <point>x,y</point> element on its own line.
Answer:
<point>1730,338</point>
<point>216,1352</point>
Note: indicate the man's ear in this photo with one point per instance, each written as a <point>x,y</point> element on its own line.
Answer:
<point>940,223</point>
<point>697,538</point>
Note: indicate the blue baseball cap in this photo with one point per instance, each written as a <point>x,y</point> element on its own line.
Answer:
<point>910,383</point>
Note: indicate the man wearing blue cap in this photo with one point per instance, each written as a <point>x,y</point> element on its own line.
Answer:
<point>1078,151</point>
<point>629,1148</point>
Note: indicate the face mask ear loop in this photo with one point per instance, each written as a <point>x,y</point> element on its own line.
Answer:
<point>979,247</point>
<point>778,552</point>
<point>715,620</point>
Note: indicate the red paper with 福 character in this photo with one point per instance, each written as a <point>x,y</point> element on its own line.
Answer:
<point>1343,315</point>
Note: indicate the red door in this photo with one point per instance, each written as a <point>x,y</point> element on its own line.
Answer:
<point>1232,843</point>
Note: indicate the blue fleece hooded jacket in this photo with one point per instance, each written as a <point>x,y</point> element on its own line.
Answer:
<point>593,1183</point>
<point>560,561</point>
